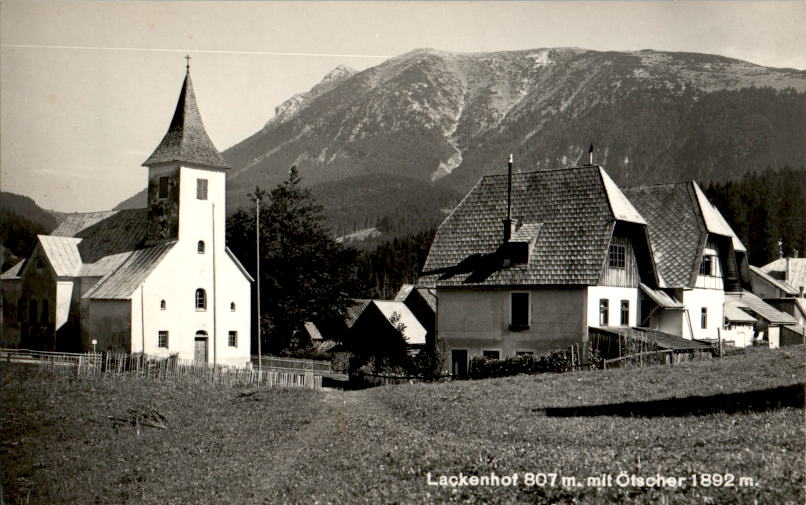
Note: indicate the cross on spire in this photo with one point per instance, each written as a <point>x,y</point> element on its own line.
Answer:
<point>187,65</point>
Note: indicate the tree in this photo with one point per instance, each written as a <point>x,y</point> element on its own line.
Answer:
<point>305,274</point>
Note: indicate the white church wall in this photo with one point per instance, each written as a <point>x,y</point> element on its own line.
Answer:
<point>175,280</point>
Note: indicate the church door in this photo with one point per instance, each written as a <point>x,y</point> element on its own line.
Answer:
<point>200,350</point>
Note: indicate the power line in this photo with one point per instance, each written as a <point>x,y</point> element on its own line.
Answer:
<point>203,51</point>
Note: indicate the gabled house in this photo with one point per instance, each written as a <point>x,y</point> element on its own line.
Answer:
<point>792,271</point>
<point>698,257</point>
<point>158,280</point>
<point>773,283</point>
<point>379,324</point>
<point>423,304</point>
<point>526,264</point>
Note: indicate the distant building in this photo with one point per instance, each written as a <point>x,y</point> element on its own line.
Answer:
<point>790,270</point>
<point>157,280</point>
<point>768,326</point>
<point>380,323</point>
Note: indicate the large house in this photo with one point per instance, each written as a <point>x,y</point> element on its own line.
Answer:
<point>528,264</point>
<point>157,280</point>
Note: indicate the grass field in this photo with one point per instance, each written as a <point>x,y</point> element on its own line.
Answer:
<point>740,415</point>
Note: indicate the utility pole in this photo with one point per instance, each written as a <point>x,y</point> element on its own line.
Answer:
<point>257,280</point>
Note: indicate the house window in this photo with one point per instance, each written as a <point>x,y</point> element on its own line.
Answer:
<point>163,189</point>
<point>45,313</point>
<point>704,318</point>
<point>491,354</point>
<point>32,312</point>
<point>625,312</point>
<point>163,305</point>
<point>200,247</point>
<point>707,265</point>
<point>617,256</point>
<point>233,339</point>
<point>162,339</point>
<point>40,265</point>
<point>604,310</point>
<point>201,300</point>
<point>201,189</point>
<point>519,311</point>
<point>232,307</point>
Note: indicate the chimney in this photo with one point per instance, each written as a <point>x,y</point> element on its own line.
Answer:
<point>801,292</point>
<point>508,220</point>
<point>590,155</point>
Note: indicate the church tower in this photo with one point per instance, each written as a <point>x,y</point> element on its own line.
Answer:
<point>186,180</point>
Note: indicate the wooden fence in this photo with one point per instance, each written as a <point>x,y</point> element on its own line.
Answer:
<point>166,369</point>
<point>273,362</point>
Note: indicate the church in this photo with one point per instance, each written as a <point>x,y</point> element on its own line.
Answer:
<point>158,280</point>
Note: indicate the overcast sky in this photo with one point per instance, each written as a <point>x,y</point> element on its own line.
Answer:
<point>87,89</point>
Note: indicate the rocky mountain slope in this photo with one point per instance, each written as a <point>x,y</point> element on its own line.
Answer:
<point>445,119</point>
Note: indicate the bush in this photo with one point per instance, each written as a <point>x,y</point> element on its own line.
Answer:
<point>555,362</point>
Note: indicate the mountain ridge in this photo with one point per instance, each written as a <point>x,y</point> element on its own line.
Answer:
<point>445,119</point>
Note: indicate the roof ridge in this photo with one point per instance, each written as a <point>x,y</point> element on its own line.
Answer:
<point>530,172</point>
<point>657,185</point>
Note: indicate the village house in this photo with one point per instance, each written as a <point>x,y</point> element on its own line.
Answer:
<point>773,284</point>
<point>158,280</point>
<point>527,263</point>
<point>698,257</point>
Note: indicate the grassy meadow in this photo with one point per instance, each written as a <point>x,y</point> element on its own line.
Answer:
<point>740,416</point>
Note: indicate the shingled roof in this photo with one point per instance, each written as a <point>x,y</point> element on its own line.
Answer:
<point>187,140</point>
<point>679,218</point>
<point>573,211</point>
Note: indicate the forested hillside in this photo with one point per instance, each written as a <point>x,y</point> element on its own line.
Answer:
<point>21,219</point>
<point>767,210</point>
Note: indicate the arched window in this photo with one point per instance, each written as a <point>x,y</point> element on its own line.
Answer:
<point>45,314</point>
<point>32,312</point>
<point>163,305</point>
<point>232,306</point>
<point>201,299</point>
<point>200,247</point>
<point>21,310</point>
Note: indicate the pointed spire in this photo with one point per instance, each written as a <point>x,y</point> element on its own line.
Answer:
<point>186,140</point>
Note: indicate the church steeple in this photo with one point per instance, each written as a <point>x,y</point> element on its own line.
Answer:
<point>186,140</point>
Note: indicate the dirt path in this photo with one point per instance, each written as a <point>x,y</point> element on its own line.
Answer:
<point>286,462</point>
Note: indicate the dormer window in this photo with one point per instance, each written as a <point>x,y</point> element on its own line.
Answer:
<point>617,255</point>
<point>200,247</point>
<point>201,189</point>
<point>707,265</point>
<point>163,187</point>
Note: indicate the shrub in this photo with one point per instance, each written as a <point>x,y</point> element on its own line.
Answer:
<point>555,362</point>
